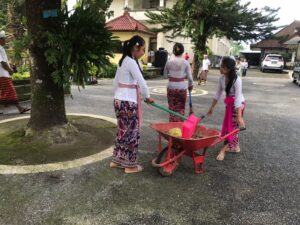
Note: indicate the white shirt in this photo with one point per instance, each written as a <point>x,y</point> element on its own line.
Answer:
<point>178,68</point>
<point>205,64</point>
<point>236,91</point>
<point>129,73</point>
<point>3,58</point>
<point>244,65</point>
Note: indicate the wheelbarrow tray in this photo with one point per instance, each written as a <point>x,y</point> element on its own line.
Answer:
<point>168,158</point>
<point>209,136</point>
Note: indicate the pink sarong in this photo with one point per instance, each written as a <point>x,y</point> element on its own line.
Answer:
<point>227,122</point>
<point>139,98</point>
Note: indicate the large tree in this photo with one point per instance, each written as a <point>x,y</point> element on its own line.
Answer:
<point>63,47</point>
<point>202,19</point>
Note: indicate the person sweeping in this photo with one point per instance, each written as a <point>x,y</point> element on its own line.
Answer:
<point>231,84</point>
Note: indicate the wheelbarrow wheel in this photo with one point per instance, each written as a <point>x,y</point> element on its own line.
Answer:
<point>169,169</point>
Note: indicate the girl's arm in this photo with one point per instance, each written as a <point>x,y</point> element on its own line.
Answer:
<point>218,95</point>
<point>238,102</point>
<point>240,119</point>
<point>211,109</point>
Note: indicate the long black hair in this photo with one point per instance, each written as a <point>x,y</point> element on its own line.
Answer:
<point>178,49</point>
<point>229,63</point>
<point>129,44</point>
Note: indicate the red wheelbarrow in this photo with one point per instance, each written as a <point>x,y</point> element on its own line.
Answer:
<point>168,158</point>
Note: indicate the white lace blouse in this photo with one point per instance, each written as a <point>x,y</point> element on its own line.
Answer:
<point>236,91</point>
<point>129,73</point>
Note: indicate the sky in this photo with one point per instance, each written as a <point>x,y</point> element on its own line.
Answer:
<point>288,12</point>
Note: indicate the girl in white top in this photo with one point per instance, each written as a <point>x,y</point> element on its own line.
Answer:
<point>128,85</point>
<point>176,70</point>
<point>231,84</point>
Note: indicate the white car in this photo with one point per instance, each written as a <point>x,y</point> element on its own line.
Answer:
<point>272,62</point>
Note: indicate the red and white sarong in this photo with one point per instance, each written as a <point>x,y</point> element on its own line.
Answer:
<point>8,93</point>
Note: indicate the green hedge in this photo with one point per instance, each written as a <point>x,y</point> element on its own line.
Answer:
<point>21,76</point>
<point>107,71</point>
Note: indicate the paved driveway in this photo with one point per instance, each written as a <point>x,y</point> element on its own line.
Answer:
<point>258,186</point>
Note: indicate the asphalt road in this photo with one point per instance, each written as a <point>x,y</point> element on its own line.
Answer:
<point>260,185</point>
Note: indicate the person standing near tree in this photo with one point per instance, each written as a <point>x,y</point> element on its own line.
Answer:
<point>8,93</point>
<point>129,85</point>
<point>203,72</point>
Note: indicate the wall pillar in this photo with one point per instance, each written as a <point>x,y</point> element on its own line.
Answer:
<point>161,3</point>
<point>160,40</point>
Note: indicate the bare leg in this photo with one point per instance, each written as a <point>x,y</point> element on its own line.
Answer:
<point>222,153</point>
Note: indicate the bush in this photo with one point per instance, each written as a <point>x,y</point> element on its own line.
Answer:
<point>108,71</point>
<point>21,76</point>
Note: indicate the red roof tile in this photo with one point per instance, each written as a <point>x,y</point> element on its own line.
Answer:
<point>127,23</point>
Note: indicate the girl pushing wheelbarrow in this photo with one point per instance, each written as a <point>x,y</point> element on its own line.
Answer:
<point>168,158</point>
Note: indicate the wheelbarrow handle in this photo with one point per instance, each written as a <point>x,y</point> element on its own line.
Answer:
<point>227,135</point>
<point>168,110</point>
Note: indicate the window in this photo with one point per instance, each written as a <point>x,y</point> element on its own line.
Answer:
<point>145,4</point>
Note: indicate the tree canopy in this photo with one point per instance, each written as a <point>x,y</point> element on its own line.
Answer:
<point>202,19</point>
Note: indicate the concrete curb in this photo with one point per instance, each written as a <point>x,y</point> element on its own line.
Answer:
<point>7,169</point>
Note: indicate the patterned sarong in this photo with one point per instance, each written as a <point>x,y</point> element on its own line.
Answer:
<point>128,135</point>
<point>176,100</point>
<point>8,93</point>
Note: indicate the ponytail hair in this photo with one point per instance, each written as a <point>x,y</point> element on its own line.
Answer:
<point>178,49</point>
<point>229,63</point>
<point>128,46</point>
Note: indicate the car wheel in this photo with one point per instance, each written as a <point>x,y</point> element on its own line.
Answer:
<point>262,70</point>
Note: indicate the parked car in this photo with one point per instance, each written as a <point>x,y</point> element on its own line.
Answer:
<point>296,75</point>
<point>272,62</point>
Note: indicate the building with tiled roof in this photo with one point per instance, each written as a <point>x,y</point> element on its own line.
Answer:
<point>127,23</point>
<point>285,42</point>
<point>124,27</point>
<point>137,8</point>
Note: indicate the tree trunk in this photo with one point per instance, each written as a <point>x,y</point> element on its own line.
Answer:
<point>47,98</point>
<point>198,56</point>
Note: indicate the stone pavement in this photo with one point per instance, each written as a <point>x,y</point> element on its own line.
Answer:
<point>260,185</point>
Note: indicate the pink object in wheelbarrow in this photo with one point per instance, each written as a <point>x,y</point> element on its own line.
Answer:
<point>189,125</point>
